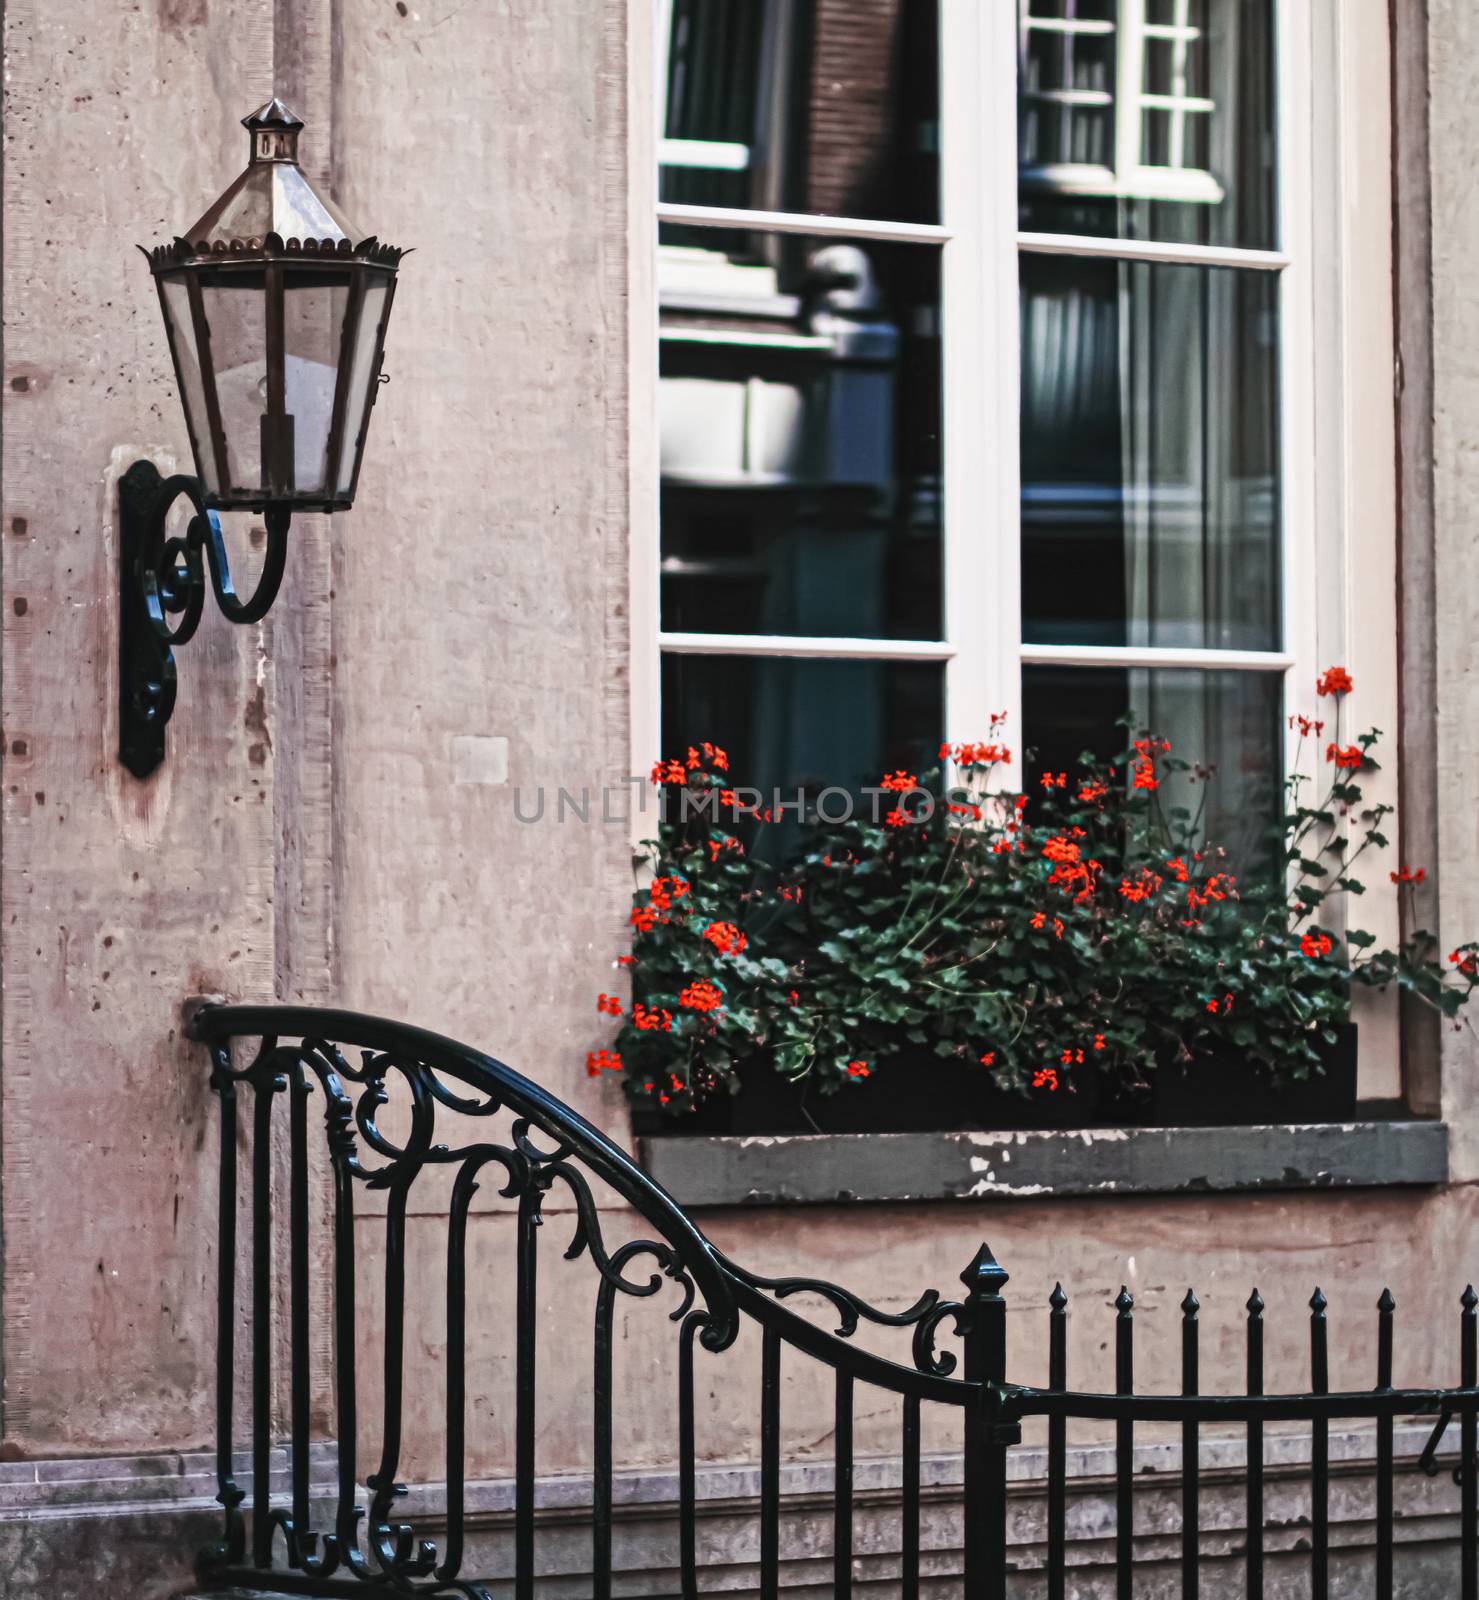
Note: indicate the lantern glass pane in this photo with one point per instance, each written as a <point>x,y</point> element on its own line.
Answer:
<point>236,314</point>
<point>362,375</point>
<point>314,303</point>
<point>176,295</point>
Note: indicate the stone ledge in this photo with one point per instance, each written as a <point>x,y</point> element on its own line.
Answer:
<point>645,1526</point>
<point>75,1552</point>
<point>825,1169</point>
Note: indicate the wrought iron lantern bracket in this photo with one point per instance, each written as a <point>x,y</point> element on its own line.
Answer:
<point>163,577</point>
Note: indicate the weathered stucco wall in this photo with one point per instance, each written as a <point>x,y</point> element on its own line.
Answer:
<point>480,597</point>
<point>1283,1244</point>
<point>1454,125</point>
<point>336,817</point>
<point>119,897</point>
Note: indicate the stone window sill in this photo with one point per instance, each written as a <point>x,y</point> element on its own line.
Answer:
<point>824,1169</point>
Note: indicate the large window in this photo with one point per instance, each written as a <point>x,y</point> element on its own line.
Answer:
<point>974,399</point>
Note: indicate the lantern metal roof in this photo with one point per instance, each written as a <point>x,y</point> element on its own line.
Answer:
<point>273,195</point>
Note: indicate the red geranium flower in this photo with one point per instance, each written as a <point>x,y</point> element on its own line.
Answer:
<point>725,938</point>
<point>702,995</point>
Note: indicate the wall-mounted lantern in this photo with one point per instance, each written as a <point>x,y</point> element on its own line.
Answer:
<point>276,322</point>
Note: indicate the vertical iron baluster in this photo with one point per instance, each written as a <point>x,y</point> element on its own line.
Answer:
<point>341,1147</point>
<point>601,1477</point>
<point>524,1315</point>
<point>1385,1307</point>
<point>910,1516</point>
<point>300,1309</point>
<point>1124,1447</point>
<point>687,1498</point>
<point>228,1491</point>
<point>770,1466</point>
<point>1468,1429</point>
<point>382,1482</point>
<point>1057,1445</point>
<point>463,1191</point>
<point>1319,1455</point>
<point>987,1431</point>
<point>262,1321</point>
<point>842,1492</point>
<point>1191,1465</point>
<point>1255,1450</point>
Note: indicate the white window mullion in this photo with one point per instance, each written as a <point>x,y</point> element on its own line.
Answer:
<point>978,93</point>
<point>815,225</point>
<point>1189,255</point>
<point>1094,655</point>
<point>647,57</point>
<point>1303,503</point>
<point>805,647</point>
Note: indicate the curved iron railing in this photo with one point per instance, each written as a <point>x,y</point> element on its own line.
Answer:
<point>443,1090</point>
<point>444,1096</point>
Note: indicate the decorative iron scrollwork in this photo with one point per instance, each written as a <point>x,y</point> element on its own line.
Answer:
<point>397,1104</point>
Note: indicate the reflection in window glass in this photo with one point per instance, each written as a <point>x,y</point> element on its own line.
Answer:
<point>1228,722</point>
<point>789,724</point>
<point>1150,478</point>
<point>826,106</point>
<point>1150,120</point>
<point>800,436</point>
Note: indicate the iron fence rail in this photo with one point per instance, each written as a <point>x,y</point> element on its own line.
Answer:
<point>444,1092</point>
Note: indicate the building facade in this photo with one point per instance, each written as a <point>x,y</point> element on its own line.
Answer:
<point>816,378</point>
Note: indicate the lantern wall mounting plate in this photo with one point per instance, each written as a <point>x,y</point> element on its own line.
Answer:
<point>276,324</point>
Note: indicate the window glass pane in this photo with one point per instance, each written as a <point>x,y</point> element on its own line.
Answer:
<point>826,106</point>
<point>1150,455</point>
<point>800,434</point>
<point>1160,129</point>
<point>805,724</point>
<point>1226,721</point>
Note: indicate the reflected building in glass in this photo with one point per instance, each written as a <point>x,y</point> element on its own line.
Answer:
<point>1150,398</point>
<point>800,382</point>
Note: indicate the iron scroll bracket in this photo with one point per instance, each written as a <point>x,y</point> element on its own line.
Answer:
<point>162,577</point>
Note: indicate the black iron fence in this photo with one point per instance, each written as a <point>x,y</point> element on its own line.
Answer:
<point>400,1104</point>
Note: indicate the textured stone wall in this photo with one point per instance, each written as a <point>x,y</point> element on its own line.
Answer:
<point>335,815</point>
<point>1453,111</point>
<point>118,897</point>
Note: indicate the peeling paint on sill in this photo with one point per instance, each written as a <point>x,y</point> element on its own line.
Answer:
<point>830,1169</point>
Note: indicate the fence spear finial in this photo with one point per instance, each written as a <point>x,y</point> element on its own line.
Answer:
<point>985,1275</point>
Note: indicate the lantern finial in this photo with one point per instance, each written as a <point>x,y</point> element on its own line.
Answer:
<point>274,132</point>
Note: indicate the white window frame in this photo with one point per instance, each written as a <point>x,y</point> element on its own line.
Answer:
<point>1338,502</point>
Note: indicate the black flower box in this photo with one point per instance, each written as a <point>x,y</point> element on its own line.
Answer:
<point>928,1094</point>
